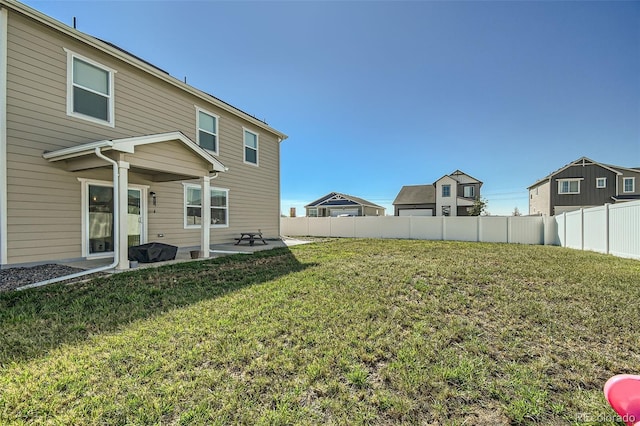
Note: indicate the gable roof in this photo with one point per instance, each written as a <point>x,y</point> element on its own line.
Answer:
<point>458,172</point>
<point>584,161</point>
<point>128,145</point>
<point>416,194</point>
<point>455,176</point>
<point>339,199</point>
<point>121,54</point>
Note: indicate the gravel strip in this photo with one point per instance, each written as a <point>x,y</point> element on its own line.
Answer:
<point>12,278</point>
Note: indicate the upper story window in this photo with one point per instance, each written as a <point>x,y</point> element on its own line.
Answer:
<point>207,130</point>
<point>601,182</point>
<point>446,190</point>
<point>568,186</point>
<point>629,184</point>
<point>469,192</point>
<point>89,90</point>
<point>250,147</point>
<point>193,206</point>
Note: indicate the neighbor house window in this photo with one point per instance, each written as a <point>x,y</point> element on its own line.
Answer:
<point>446,190</point>
<point>469,192</point>
<point>207,130</point>
<point>601,182</point>
<point>250,147</point>
<point>193,207</point>
<point>446,210</point>
<point>629,184</point>
<point>313,213</point>
<point>89,90</point>
<point>569,186</point>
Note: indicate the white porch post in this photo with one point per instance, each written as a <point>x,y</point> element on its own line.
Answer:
<point>123,212</point>
<point>205,236</point>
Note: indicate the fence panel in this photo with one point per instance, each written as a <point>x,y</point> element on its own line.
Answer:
<point>294,226</point>
<point>493,229</point>
<point>573,230</point>
<point>460,228</point>
<point>367,227</point>
<point>624,230</point>
<point>394,227</point>
<point>343,226</point>
<point>426,228</point>
<point>526,230</point>
<point>319,226</point>
<point>594,228</point>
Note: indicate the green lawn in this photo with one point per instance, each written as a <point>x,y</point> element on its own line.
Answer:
<point>340,332</point>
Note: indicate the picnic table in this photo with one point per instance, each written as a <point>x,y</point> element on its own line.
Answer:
<point>251,237</point>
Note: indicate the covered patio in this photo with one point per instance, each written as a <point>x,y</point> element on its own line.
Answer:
<point>140,156</point>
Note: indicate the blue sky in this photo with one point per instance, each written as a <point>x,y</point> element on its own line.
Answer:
<point>375,95</point>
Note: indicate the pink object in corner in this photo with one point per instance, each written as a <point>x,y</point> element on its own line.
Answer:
<point>623,393</point>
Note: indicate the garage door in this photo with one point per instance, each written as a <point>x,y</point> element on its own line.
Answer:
<point>416,212</point>
<point>339,212</point>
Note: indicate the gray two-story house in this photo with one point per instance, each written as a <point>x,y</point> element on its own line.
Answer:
<point>583,183</point>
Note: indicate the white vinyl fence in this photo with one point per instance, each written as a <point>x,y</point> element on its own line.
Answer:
<point>522,230</point>
<point>611,229</point>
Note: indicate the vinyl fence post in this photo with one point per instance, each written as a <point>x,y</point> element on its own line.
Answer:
<point>582,228</point>
<point>443,229</point>
<point>606,228</point>
<point>564,230</point>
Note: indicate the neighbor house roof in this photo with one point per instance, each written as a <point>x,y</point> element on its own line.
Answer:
<point>135,61</point>
<point>416,194</point>
<point>457,173</point>
<point>339,199</point>
<point>583,161</point>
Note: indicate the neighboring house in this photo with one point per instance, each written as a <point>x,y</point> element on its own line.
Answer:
<point>336,204</point>
<point>100,150</point>
<point>583,183</point>
<point>451,195</point>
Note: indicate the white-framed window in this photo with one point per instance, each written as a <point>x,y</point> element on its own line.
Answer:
<point>219,207</point>
<point>569,186</point>
<point>89,90</point>
<point>469,192</point>
<point>207,124</point>
<point>446,190</point>
<point>601,182</point>
<point>193,206</point>
<point>629,184</point>
<point>250,147</point>
<point>313,212</point>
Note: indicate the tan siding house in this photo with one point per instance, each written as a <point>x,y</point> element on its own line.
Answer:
<point>101,150</point>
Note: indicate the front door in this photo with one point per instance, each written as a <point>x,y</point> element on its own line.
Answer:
<point>100,214</point>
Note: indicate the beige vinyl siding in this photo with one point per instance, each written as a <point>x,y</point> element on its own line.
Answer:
<point>44,200</point>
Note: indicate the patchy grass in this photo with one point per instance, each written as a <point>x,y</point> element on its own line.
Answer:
<point>343,332</point>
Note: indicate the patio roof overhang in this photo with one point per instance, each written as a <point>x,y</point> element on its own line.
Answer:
<point>82,157</point>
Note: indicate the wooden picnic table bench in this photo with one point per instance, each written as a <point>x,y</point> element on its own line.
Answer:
<point>251,237</point>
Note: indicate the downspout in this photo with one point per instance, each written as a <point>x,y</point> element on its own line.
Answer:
<point>116,236</point>
<point>4,18</point>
